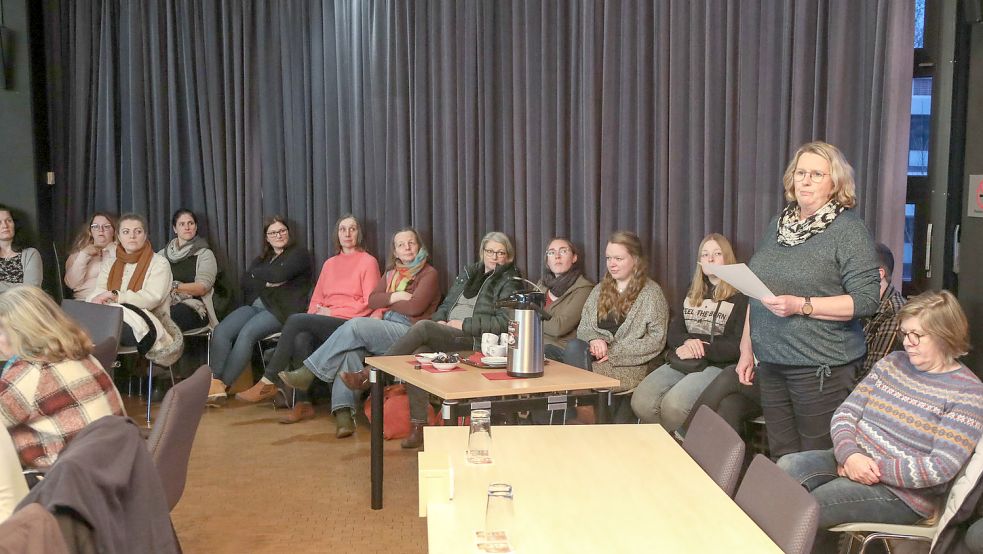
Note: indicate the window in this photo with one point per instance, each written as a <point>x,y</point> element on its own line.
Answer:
<point>921,117</point>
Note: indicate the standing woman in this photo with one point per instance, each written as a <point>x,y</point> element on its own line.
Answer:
<point>623,325</point>
<point>193,268</point>
<point>94,243</point>
<point>17,264</point>
<point>819,258</point>
<point>274,287</point>
<point>140,282</point>
<point>566,292</point>
<point>342,292</point>
<point>703,338</point>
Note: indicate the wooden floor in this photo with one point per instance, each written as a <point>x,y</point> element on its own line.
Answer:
<point>257,486</point>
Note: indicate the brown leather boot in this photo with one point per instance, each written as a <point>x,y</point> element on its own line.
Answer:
<point>356,380</point>
<point>415,440</point>
<point>300,412</point>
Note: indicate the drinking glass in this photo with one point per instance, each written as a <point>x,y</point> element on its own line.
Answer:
<point>498,511</point>
<point>479,437</point>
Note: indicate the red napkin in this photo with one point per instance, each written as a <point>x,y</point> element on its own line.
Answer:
<point>498,376</point>
<point>432,369</point>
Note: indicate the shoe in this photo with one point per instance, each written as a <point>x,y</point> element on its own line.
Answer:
<point>300,378</point>
<point>300,412</point>
<point>344,423</point>
<point>356,380</point>
<point>257,393</point>
<point>415,440</point>
<point>216,393</point>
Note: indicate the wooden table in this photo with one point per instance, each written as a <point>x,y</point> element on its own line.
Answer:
<point>453,387</point>
<point>588,488</point>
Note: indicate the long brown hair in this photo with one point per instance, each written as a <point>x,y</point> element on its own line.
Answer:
<point>359,242</point>
<point>698,288</point>
<point>610,302</point>
<point>84,236</point>
<point>267,253</point>
<point>38,330</point>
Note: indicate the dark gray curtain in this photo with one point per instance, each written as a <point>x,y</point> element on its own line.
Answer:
<point>671,118</point>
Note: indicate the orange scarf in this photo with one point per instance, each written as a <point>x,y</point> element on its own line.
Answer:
<point>141,257</point>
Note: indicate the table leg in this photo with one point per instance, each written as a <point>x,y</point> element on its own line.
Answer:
<point>448,412</point>
<point>603,407</point>
<point>375,378</point>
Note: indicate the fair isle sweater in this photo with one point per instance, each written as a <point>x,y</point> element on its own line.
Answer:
<point>919,427</point>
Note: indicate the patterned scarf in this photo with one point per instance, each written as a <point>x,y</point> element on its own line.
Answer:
<point>141,257</point>
<point>792,231</point>
<point>403,274</point>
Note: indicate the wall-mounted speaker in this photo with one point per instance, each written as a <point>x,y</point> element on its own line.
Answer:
<point>973,11</point>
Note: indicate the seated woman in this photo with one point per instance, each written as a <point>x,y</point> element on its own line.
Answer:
<point>274,287</point>
<point>140,282</point>
<point>703,338</point>
<point>94,243</point>
<point>17,263</point>
<point>904,432</point>
<point>193,268</point>
<point>468,310</point>
<point>342,292</point>
<point>623,325</point>
<point>566,292</point>
<point>51,387</point>
<point>409,292</point>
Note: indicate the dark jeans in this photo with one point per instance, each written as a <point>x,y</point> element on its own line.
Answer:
<point>427,336</point>
<point>577,353</point>
<point>798,403</point>
<point>187,318</point>
<point>734,402</point>
<point>300,336</point>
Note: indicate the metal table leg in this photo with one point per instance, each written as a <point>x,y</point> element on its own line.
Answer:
<point>448,412</point>
<point>602,411</point>
<point>375,378</point>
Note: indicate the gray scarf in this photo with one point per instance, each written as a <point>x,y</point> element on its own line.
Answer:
<point>177,253</point>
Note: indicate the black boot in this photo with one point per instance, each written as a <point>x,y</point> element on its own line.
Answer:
<point>415,440</point>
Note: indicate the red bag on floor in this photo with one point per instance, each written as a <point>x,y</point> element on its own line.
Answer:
<point>396,412</point>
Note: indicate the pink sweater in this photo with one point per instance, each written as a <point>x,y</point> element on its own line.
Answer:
<point>344,286</point>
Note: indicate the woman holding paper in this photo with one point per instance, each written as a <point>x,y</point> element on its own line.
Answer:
<point>819,260</point>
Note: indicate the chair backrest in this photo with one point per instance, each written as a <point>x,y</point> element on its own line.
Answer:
<point>174,431</point>
<point>783,509</point>
<point>99,321</point>
<point>716,447</point>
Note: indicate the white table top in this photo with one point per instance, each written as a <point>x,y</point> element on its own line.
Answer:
<point>589,488</point>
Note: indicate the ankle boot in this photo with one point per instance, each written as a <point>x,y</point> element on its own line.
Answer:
<point>300,378</point>
<point>415,440</point>
<point>356,380</point>
<point>344,423</point>
<point>300,412</point>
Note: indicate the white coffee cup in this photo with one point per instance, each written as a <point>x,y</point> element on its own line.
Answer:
<point>488,340</point>
<point>498,350</point>
<point>504,340</point>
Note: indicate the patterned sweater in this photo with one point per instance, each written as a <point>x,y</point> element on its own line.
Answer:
<point>920,427</point>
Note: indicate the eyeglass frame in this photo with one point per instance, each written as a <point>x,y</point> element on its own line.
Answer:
<point>799,175</point>
<point>277,233</point>
<point>561,251</point>
<point>495,253</point>
<point>105,227</point>
<point>902,335</point>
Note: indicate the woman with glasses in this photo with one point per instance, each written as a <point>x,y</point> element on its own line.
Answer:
<point>194,270</point>
<point>468,310</point>
<point>818,258</point>
<point>341,293</point>
<point>704,337</point>
<point>566,292</point>
<point>274,287</point>
<point>94,243</point>
<point>18,264</point>
<point>904,433</point>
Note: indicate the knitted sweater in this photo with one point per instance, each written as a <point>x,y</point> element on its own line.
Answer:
<point>639,339</point>
<point>345,283</point>
<point>920,427</point>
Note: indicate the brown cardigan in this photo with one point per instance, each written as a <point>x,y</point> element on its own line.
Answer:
<point>425,289</point>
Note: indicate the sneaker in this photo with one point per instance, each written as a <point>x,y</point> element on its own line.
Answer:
<point>257,393</point>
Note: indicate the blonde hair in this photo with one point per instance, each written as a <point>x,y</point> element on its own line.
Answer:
<point>609,301</point>
<point>840,171</point>
<point>942,317</point>
<point>38,330</point>
<point>501,238</point>
<point>698,287</point>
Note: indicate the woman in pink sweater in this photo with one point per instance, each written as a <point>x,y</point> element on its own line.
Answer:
<point>342,292</point>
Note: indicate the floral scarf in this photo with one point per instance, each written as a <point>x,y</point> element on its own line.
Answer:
<point>792,231</point>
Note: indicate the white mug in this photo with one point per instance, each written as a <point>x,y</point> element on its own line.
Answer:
<point>488,340</point>
<point>505,340</point>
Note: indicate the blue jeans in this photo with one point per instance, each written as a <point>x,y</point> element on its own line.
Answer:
<point>346,350</point>
<point>840,499</point>
<point>233,339</point>
<point>666,395</point>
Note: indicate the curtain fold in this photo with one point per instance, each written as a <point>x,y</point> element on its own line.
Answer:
<point>672,118</point>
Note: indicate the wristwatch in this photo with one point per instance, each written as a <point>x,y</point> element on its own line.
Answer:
<point>807,307</point>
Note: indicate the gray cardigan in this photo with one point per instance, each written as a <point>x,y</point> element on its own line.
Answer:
<point>840,260</point>
<point>641,337</point>
<point>31,261</point>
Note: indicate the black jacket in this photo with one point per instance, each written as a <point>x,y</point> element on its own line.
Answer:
<point>486,318</point>
<point>292,269</point>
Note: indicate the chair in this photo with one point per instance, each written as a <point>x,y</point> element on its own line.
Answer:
<point>104,324</point>
<point>783,509</point>
<point>206,332</point>
<point>716,447</point>
<point>927,531</point>
<point>174,432</point>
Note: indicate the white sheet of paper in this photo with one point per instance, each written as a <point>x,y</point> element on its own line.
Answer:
<point>740,277</point>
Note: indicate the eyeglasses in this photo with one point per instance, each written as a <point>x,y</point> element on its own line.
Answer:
<point>558,252</point>
<point>496,253</point>
<point>913,337</point>
<point>815,176</point>
<point>711,255</point>
<point>96,227</point>
<point>279,233</point>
